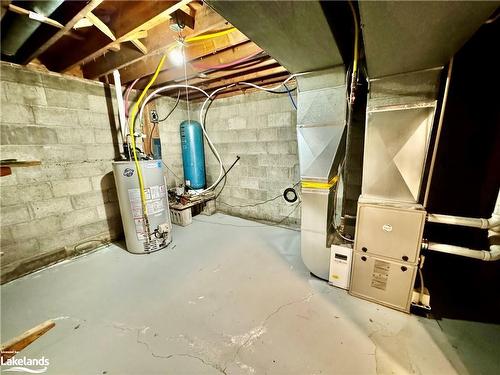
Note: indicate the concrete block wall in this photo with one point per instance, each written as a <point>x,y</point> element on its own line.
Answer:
<point>49,212</point>
<point>261,128</point>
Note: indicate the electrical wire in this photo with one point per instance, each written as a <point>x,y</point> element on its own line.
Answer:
<point>172,110</point>
<point>166,166</point>
<point>266,223</point>
<point>258,203</point>
<point>205,122</point>
<point>290,96</point>
<point>283,91</point>
<point>273,88</point>
<point>161,120</point>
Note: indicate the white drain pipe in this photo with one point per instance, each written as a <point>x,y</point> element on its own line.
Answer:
<point>492,224</point>
<point>121,106</point>
<point>491,255</point>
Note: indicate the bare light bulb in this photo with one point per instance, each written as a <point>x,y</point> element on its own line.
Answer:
<point>176,56</point>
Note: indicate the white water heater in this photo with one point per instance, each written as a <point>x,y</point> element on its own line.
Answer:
<point>129,198</point>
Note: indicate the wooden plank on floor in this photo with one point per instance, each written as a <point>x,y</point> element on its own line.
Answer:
<point>11,347</point>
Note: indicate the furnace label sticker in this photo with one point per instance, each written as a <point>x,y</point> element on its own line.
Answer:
<point>380,274</point>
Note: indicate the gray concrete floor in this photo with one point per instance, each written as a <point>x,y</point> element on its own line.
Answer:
<point>230,296</point>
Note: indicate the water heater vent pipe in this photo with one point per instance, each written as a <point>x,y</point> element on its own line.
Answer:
<point>121,105</point>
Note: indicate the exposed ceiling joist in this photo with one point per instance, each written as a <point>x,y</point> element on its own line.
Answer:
<point>252,66</point>
<point>259,74</point>
<point>194,51</point>
<point>140,46</point>
<point>94,20</point>
<point>129,18</point>
<point>158,37</point>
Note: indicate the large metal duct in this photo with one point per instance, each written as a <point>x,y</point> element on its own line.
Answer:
<point>295,33</point>
<point>406,36</point>
<point>321,116</point>
<point>400,115</point>
<point>16,28</point>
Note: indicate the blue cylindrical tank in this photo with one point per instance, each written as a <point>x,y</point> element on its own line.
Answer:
<point>193,154</point>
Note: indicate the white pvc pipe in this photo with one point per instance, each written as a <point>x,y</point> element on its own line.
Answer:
<point>492,223</point>
<point>491,255</point>
<point>464,221</point>
<point>121,106</point>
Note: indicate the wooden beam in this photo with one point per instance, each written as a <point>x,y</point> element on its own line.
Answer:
<point>193,51</point>
<point>250,77</point>
<point>101,26</point>
<point>183,19</point>
<point>88,8</point>
<point>35,16</point>
<point>226,56</point>
<point>139,35</point>
<point>158,37</point>
<point>152,14</point>
<point>130,17</point>
<point>140,46</point>
<point>11,347</point>
<point>84,22</point>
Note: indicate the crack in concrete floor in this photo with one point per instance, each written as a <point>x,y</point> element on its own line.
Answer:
<point>249,338</point>
<point>112,290</point>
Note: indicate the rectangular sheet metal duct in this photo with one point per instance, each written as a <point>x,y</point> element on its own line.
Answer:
<point>321,116</point>
<point>406,36</point>
<point>399,121</point>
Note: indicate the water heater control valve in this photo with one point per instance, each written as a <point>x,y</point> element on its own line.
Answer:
<point>163,228</point>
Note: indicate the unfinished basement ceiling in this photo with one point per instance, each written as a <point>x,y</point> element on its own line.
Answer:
<point>90,39</point>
